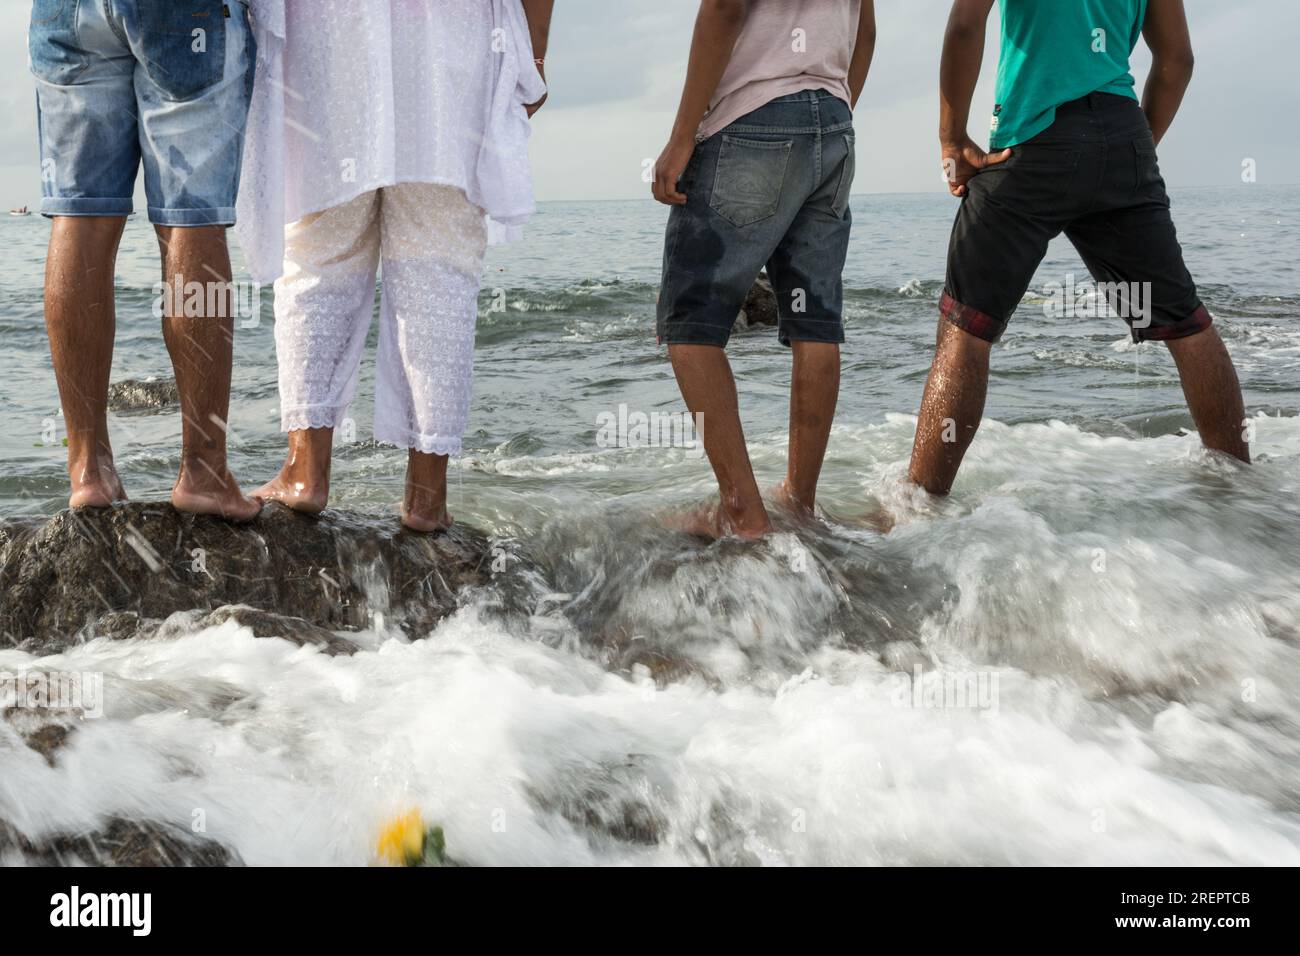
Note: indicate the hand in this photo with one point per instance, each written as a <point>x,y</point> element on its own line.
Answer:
<point>963,159</point>
<point>532,108</point>
<point>669,168</point>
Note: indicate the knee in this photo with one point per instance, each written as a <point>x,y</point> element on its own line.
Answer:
<point>176,240</point>
<point>92,232</point>
<point>824,356</point>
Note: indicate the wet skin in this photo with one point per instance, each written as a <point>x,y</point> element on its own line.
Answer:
<point>303,483</point>
<point>705,378</point>
<point>80,320</point>
<point>955,392</point>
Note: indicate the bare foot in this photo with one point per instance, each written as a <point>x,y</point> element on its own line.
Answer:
<point>307,497</point>
<point>201,491</point>
<point>96,487</point>
<point>878,519</point>
<point>303,483</point>
<point>424,507</point>
<point>713,522</point>
<point>784,497</point>
<point>425,521</point>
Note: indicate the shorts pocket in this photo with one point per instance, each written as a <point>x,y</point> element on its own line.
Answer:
<point>750,177</point>
<point>183,44</point>
<point>1045,159</point>
<point>848,169</point>
<point>1041,179</point>
<point>1146,170</point>
<point>52,45</point>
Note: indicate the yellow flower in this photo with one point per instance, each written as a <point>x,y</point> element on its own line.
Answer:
<point>401,843</point>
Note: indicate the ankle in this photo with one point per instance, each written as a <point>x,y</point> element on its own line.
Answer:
<point>305,471</point>
<point>425,497</point>
<point>745,514</point>
<point>208,456</point>
<point>798,495</point>
<point>90,449</point>
<point>203,473</point>
<point>89,467</point>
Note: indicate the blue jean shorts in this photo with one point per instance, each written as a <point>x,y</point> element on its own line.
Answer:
<point>119,83</point>
<point>771,190</point>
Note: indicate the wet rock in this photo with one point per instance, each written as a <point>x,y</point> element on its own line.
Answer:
<point>119,625</point>
<point>759,308</point>
<point>42,730</point>
<point>622,802</point>
<point>686,610</point>
<point>118,842</point>
<point>307,575</point>
<point>294,629</point>
<point>722,840</point>
<point>32,706</point>
<point>138,395</point>
<point>48,740</point>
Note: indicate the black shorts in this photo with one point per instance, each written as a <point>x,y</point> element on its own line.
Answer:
<point>1092,175</point>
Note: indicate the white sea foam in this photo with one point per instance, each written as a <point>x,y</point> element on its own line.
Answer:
<point>1122,598</point>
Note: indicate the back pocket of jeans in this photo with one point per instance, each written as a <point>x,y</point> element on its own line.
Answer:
<point>750,176</point>
<point>183,44</point>
<point>56,55</point>
<point>848,169</point>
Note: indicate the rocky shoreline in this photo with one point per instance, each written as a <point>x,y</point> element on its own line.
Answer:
<point>123,571</point>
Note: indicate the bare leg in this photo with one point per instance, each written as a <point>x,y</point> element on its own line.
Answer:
<point>951,409</point>
<point>813,395</point>
<point>704,376</point>
<point>1212,391</point>
<point>200,347</point>
<point>80,321</point>
<point>425,505</point>
<point>303,483</point>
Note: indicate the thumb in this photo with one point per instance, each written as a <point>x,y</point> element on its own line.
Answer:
<point>992,159</point>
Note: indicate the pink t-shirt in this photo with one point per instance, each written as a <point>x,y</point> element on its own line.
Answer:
<point>786,46</point>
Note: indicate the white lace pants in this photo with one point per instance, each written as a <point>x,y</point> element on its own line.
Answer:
<point>431,240</point>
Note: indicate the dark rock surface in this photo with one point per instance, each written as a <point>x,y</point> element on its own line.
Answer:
<point>623,802</point>
<point>268,624</point>
<point>120,572</point>
<point>44,731</point>
<point>137,395</point>
<point>760,306</point>
<point>118,842</point>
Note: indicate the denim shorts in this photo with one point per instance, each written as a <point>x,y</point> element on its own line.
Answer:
<point>1092,175</point>
<point>165,83</point>
<point>771,190</point>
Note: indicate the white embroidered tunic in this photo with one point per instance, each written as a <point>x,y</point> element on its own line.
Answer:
<point>355,95</point>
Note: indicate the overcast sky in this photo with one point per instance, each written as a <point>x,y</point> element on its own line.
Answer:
<point>616,68</point>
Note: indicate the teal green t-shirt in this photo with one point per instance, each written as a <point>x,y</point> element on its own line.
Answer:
<point>1055,51</point>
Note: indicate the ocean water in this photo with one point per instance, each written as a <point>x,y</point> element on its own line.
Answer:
<point>1122,609</point>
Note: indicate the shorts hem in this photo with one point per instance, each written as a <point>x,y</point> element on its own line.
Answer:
<point>692,340</point>
<point>52,206</point>
<point>786,338</point>
<point>697,333</point>
<point>214,216</point>
<point>1197,322</point>
<point>972,320</point>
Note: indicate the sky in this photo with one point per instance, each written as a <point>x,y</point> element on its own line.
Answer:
<point>616,68</point>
